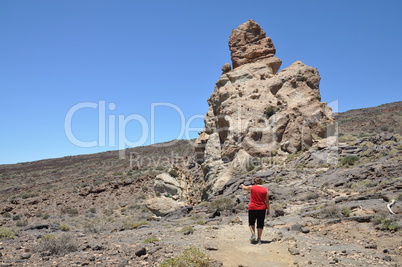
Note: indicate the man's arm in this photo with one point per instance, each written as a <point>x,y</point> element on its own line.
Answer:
<point>246,187</point>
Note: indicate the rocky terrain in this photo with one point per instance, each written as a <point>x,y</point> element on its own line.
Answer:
<point>336,192</point>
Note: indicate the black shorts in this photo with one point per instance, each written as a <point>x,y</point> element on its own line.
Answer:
<point>258,215</point>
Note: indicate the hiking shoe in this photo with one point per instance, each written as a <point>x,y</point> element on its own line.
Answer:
<point>259,241</point>
<point>252,238</point>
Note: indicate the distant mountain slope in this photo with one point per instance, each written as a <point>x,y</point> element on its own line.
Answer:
<point>386,117</point>
<point>75,172</point>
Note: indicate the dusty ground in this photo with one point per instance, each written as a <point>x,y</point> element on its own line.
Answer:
<point>234,248</point>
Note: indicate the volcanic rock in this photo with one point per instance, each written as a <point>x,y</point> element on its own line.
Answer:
<point>248,43</point>
<point>161,206</point>
<point>256,112</point>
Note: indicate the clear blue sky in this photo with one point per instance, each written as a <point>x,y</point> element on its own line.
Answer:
<point>125,55</point>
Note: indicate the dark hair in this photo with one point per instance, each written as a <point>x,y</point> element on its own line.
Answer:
<point>257,180</point>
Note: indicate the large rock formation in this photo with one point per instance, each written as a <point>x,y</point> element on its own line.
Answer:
<point>256,112</point>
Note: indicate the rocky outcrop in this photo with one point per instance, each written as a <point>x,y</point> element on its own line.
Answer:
<point>256,112</point>
<point>248,43</point>
<point>174,189</point>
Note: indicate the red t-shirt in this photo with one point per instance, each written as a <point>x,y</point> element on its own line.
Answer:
<point>258,198</point>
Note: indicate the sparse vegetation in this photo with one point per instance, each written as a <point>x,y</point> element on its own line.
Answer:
<point>346,211</point>
<point>64,227</point>
<point>393,152</point>
<point>7,233</point>
<point>346,138</point>
<point>386,223</point>
<point>128,225</point>
<point>187,229</point>
<point>69,211</point>
<point>151,239</point>
<point>331,211</point>
<point>241,206</point>
<point>200,222</point>
<point>91,227</point>
<point>389,142</point>
<point>311,196</point>
<point>53,245</point>
<point>269,111</point>
<point>389,224</point>
<point>363,183</point>
<point>28,195</point>
<point>294,156</point>
<point>349,160</point>
<point>221,204</point>
<point>191,257</point>
<point>108,212</point>
<point>22,223</point>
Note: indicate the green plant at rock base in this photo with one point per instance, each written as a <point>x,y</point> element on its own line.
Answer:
<point>346,211</point>
<point>393,152</point>
<point>187,229</point>
<point>6,233</point>
<point>151,239</point>
<point>293,156</point>
<point>346,138</point>
<point>389,224</point>
<point>134,225</point>
<point>64,227</point>
<point>221,204</point>
<point>191,257</point>
<point>270,110</point>
<point>349,160</point>
<point>389,142</point>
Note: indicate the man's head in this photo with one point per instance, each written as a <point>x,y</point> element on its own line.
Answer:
<point>257,180</point>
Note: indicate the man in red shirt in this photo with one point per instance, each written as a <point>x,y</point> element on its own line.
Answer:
<point>258,207</point>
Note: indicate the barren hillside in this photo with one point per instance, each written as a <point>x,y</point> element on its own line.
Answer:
<point>383,118</point>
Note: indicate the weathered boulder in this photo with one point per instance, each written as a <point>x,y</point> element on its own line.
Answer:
<point>161,206</point>
<point>166,185</point>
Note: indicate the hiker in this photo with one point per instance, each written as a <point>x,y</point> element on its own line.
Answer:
<point>258,207</point>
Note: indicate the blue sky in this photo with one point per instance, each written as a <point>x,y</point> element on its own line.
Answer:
<point>111,60</point>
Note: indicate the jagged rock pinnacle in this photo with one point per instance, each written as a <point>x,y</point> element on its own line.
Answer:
<point>248,43</point>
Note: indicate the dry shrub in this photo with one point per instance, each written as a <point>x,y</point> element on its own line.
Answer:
<point>191,257</point>
<point>52,245</point>
<point>221,204</point>
<point>331,211</point>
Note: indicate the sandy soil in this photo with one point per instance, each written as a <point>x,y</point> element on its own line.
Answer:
<point>235,249</point>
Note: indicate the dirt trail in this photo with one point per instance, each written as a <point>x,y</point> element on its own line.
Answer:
<point>234,248</point>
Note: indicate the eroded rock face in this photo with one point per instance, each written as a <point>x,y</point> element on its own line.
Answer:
<point>256,112</point>
<point>248,43</point>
